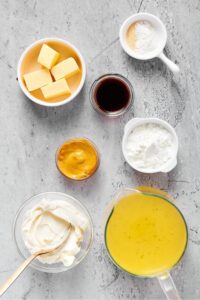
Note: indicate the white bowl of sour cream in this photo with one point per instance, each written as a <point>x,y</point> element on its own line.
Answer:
<point>150,145</point>
<point>43,221</point>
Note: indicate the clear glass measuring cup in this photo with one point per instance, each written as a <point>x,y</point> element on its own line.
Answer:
<point>164,278</point>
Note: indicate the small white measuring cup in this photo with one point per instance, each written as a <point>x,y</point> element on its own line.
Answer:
<point>162,34</point>
<point>135,122</point>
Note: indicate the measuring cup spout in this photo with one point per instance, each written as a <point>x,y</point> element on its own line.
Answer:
<point>170,64</point>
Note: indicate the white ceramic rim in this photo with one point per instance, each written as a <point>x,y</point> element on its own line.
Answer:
<point>137,17</point>
<point>44,268</point>
<point>52,104</point>
<point>139,122</point>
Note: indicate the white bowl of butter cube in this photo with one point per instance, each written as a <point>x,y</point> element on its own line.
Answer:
<point>51,72</point>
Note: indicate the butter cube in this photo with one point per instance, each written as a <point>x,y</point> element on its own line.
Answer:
<point>37,79</point>
<point>65,68</point>
<point>48,57</point>
<point>56,89</point>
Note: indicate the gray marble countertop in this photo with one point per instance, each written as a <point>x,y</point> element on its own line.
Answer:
<point>30,134</point>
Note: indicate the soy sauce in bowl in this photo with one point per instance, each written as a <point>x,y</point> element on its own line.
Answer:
<point>111,94</point>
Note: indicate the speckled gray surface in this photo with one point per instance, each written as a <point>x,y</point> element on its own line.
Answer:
<point>30,134</point>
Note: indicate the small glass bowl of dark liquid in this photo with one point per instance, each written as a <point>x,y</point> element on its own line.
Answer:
<point>111,95</point>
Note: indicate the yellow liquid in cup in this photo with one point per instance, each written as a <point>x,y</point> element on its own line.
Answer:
<point>145,234</point>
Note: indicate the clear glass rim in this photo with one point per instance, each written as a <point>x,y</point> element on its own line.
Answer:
<point>44,268</point>
<point>116,113</point>
<point>116,199</point>
<point>97,155</point>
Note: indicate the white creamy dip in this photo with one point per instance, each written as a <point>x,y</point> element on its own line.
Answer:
<point>150,146</point>
<point>46,226</point>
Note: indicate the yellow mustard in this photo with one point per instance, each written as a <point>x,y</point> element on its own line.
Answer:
<point>77,159</point>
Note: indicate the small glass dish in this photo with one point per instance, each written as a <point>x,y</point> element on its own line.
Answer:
<point>127,85</point>
<point>93,146</point>
<point>24,252</point>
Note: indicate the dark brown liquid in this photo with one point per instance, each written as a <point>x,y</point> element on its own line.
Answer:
<point>112,94</point>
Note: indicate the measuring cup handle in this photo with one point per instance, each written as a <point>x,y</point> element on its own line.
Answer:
<point>168,287</point>
<point>171,65</point>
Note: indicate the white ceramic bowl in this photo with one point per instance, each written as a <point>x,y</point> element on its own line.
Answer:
<point>161,32</point>
<point>132,124</point>
<point>38,101</point>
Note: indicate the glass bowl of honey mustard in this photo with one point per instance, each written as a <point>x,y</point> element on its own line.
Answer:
<point>77,158</point>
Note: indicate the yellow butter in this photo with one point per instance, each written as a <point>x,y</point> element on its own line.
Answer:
<point>48,57</point>
<point>56,89</point>
<point>65,68</point>
<point>37,79</point>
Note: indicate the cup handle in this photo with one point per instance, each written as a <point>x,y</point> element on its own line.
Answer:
<point>170,64</point>
<point>168,286</point>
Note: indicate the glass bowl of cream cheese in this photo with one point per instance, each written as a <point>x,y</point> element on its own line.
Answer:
<point>43,222</point>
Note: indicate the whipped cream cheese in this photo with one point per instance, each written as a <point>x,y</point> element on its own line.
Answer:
<point>46,225</point>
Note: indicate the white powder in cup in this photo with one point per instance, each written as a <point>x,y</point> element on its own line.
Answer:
<point>142,37</point>
<point>150,146</point>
